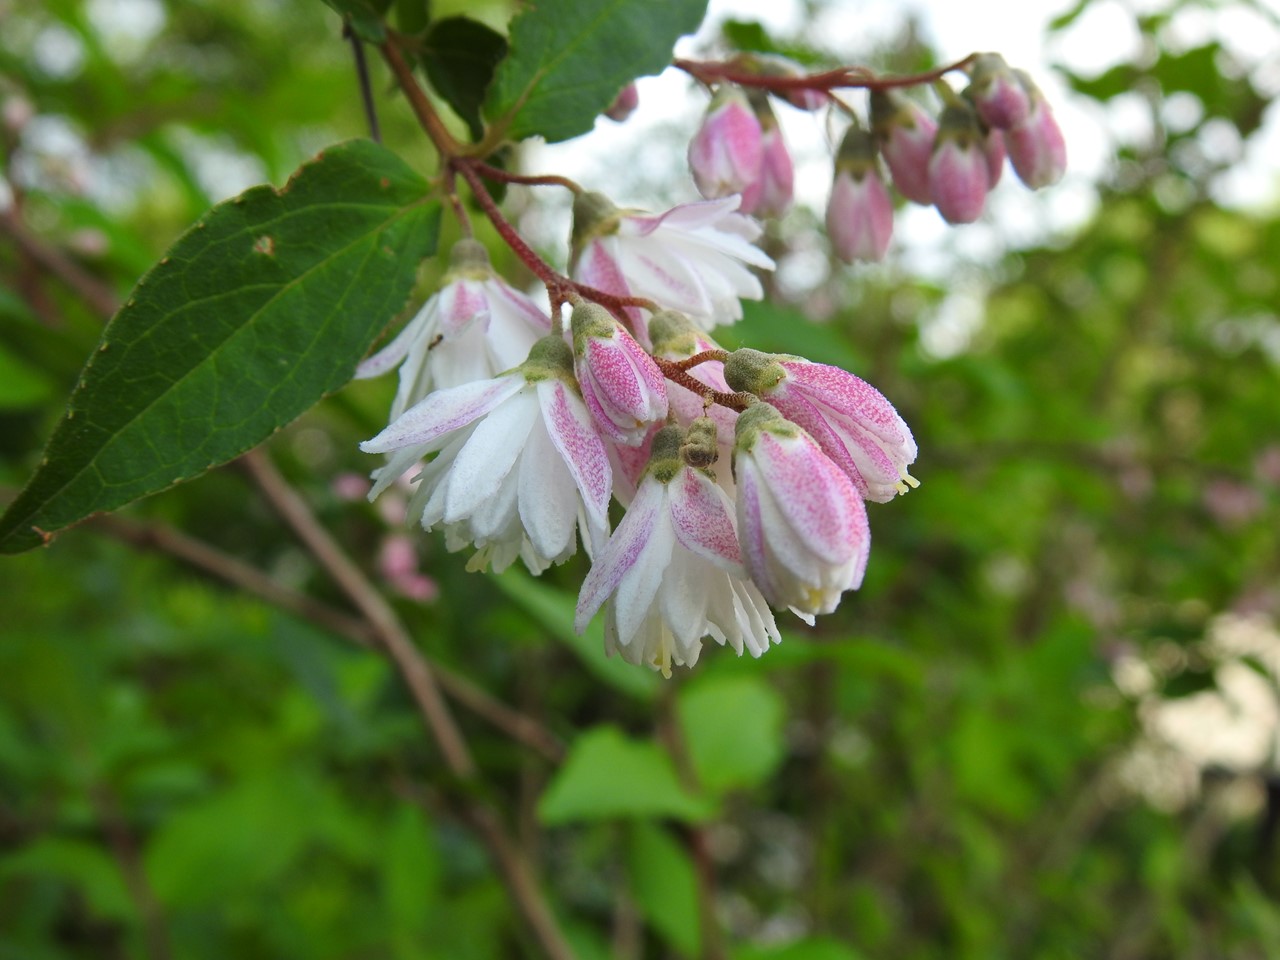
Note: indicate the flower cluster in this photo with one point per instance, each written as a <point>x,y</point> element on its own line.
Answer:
<point>742,475</point>
<point>951,161</point>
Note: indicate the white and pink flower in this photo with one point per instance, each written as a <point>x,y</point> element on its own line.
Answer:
<point>804,528</point>
<point>859,212</point>
<point>474,328</point>
<point>857,428</point>
<point>1037,148</point>
<point>693,258</point>
<point>672,572</point>
<point>772,192</point>
<point>622,386</point>
<point>997,94</point>
<point>518,463</point>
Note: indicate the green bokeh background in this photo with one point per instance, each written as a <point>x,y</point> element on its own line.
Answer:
<point>952,766</point>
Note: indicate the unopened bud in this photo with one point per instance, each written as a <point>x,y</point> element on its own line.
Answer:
<point>770,194</point>
<point>906,134</point>
<point>959,177</point>
<point>726,153</point>
<point>999,97</point>
<point>701,444</point>
<point>859,213</point>
<point>753,371</point>
<point>1037,149</point>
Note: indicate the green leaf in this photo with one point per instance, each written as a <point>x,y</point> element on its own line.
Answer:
<point>86,866</point>
<point>569,60</point>
<point>815,948</point>
<point>364,18</point>
<point>459,56</point>
<point>733,731</point>
<point>664,885</point>
<point>410,879</point>
<point>554,610</point>
<point>257,312</point>
<point>607,775</point>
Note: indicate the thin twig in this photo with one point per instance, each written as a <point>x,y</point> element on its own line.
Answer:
<point>419,677</point>
<point>366,87</point>
<point>490,172</point>
<point>53,261</point>
<point>295,511</point>
<point>737,71</point>
<point>124,846</point>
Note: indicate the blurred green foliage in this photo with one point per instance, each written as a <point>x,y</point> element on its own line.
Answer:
<point>946,768</point>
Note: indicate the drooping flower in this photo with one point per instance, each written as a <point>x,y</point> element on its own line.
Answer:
<point>672,572</point>
<point>993,149</point>
<point>996,93</point>
<point>726,152</point>
<point>622,386</point>
<point>859,212</point>
<point>1037,148</point>
<point>804,528</point>
<point>906,134</point>
<point>857,428</point>
<point>771,193</point>
<point>692,258</point>
<point>518,463</point>
<point>959,176</point>
<point>474,328</point>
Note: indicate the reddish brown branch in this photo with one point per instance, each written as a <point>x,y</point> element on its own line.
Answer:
<point>54,262</point>
<point>490,172</point>
<point>675,372</point>
<point>737,71</point>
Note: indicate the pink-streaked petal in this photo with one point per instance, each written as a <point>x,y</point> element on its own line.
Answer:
<point>797,408</point>
<point>702,518</point>
<point>444,411</point>
<point>820,504</point>
<point>489,456</point>
<point>393,354</point>
<point>548,501</point>
<point>634,598</point>
<point>621,553</point>
<point>569,425</point>
<point>856,398</point>
<point>505,299</point>
<point>468,305</point>
<point>686,216</point>
<point>751,528</point>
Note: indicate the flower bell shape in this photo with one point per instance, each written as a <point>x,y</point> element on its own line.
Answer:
<point>622,386</point>
<point>906,133</point>
<point>804,528</point>
<point>959,176</point>
<point>994,151</point>
<point>772,192</point>
<point>692,258</point>
<point>518,463</point>
<point>853,423</point>
<point>474,328</point>
<point>726,152</point>
<point>996,92</point>
<point>1037,149</point>
<point>672,572</point>
<point>860,212</point>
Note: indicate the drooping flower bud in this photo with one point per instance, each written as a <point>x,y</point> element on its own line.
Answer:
<point>805,537</point>
<point>1037,149</point>
<point>771,193</point>
<point>850,419</point>
<point>859,213</point>
<point>959,176</point>
<point>774,65</point>
<point>906,133</point>
<point>621,385</point>
<point>726,153</point>
<point>996,93</point>
<point>624,104</point>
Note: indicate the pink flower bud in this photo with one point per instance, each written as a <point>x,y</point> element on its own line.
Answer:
<point>624,104</point>
<point>850,419</point>
<point>906,134</point>
<point>804,528</point>
<point>771,193</point>
<point>958,173</point>
<point>773,65</point>
<point>999,97</point>
<point>621,385</point>
<point>726,153</point>
<point>1037,148</point>
<point>859,213</point>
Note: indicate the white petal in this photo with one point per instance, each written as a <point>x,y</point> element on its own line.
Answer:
<point>443,412</point>
<point>548,500</point>
<point>622,552</point>
<point>489,455</point>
